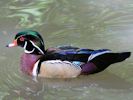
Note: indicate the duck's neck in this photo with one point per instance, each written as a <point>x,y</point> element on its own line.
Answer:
<point>27,62</point>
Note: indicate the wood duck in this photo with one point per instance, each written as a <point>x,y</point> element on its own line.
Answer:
<point>63,61</point>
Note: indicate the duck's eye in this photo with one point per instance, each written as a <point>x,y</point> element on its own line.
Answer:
<point>22,38</point>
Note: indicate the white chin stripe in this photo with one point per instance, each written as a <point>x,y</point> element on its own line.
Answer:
<point>26,51</point>
<point>34,71</point>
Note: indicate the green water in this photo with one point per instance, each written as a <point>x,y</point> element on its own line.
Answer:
<point>92,24</point>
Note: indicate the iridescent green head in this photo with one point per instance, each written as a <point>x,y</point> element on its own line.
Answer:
<point>31,41</point>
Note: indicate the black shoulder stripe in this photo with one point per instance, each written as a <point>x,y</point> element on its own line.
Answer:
<point>39,64</point>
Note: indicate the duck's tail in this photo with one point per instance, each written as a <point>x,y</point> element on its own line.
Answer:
<point>104,60</point>
<point>122,56</point>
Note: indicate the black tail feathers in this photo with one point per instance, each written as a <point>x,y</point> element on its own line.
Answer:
<point>122,56</point>
<point>104,60</point>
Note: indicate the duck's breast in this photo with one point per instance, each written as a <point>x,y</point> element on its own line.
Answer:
<point>27,62</point>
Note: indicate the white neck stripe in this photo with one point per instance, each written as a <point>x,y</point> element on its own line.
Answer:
<point>37,47</point>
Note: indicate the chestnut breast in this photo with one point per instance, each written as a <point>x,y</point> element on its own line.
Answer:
<point>27,62</point>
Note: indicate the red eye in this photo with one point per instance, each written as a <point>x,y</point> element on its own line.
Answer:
<point>22,38</point>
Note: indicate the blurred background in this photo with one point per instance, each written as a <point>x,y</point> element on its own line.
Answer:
<point>92,24</point>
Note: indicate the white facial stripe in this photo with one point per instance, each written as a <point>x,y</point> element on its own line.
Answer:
<point>25,45</point>
<point>25,35</point>
<point>26,51</point>
<point>37,47</point>
<point>32,44</point>
<point>20,36</point>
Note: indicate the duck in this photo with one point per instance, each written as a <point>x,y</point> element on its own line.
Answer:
<point>61,61</point>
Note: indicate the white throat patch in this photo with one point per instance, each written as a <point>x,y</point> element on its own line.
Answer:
<point>26,51</point>
<point>35,46</point>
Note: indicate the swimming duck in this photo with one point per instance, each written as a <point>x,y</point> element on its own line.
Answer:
<point>63,61</point>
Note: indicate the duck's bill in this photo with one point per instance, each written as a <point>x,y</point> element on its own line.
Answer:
<point>13,44</point>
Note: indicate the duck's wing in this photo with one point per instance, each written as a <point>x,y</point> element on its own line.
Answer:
<point>67,47</point>
<point>68,53</point>
<point>61,49</point>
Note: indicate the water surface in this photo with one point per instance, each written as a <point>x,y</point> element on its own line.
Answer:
<point>93,24</point>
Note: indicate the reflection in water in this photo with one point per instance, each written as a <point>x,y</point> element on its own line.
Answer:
<point>84,23</point>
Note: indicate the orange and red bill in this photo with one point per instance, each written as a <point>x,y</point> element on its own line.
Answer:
<point>13,44</point>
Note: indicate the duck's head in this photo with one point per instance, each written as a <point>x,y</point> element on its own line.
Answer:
<point>31,41</point>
